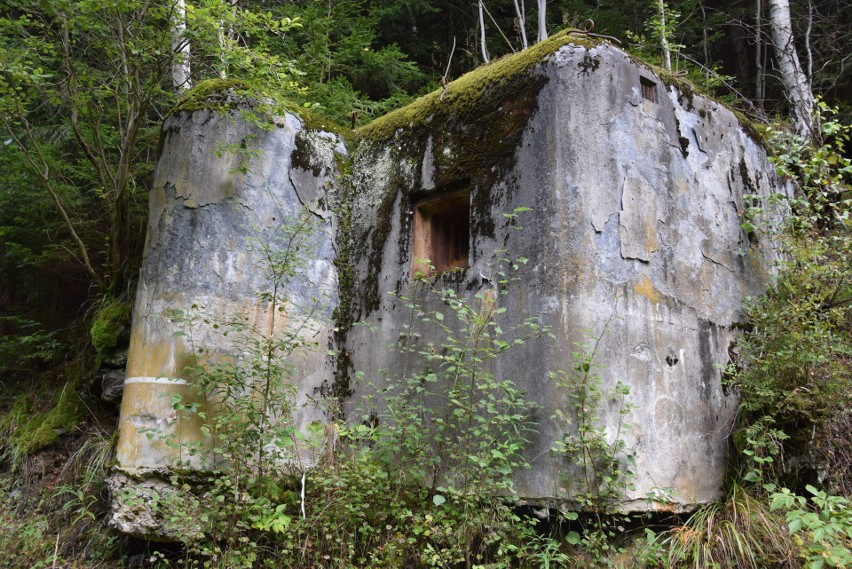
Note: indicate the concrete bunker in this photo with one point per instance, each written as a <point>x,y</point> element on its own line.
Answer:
<point>628,238</point>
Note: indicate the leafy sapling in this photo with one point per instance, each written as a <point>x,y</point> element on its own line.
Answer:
<point>602,468</point>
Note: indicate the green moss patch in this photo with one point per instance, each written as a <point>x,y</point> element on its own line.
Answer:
<point>224,95</point>
<point>112,322</point>
<point>30,426</point>
<point>474,92</point>
<point>215,95</point>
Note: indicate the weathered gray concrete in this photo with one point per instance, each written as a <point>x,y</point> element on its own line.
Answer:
<point>635,237</point>
<point>208,226</point>
<point>213,221</point>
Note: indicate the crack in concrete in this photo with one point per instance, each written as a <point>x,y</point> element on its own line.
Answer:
<point>323,215</point>
<point>715,262</point>
<point>697,142</point>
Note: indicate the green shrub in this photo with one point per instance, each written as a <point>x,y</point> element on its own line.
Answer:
<point>821,526</point>
<point>29,347</point>
<point>793,363</point>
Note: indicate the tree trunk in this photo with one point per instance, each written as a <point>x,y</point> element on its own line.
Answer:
<point>759,75</point>
<point>522,23</point>
<point>664,41</point>
<point>542,20</point>
<point>485,57</point>
<point>180,48</point>
<point>7,296</point>
<point>705,41</point>
<point>795,83</point>
<point>808,51</point>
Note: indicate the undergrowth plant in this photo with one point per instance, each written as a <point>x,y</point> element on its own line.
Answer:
<point>792,366</point>
<point>600,466</point>
<point>423,477</point>
<point>737,532</point>
<point>449,428</point>
<point>65,512</point>
<point>821,525</point>
<point>26,345</point>
<point>250,447</point>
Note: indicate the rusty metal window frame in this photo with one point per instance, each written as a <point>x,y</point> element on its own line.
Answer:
<point>441,233</point>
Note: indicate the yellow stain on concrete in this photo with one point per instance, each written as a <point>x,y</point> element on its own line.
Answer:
<point>650,236</point>
<point>147,358</point>
<point>153,434</point>
<point>646,288</point>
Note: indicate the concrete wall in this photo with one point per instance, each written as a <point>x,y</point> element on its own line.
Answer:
<point>214,217</point>
<point>635,237</point>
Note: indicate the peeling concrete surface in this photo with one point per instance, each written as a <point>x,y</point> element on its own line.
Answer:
<point>635,237</point>
<point>636,222</point>
<point>211,217</point>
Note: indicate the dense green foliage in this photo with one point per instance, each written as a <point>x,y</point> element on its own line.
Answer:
<point>793,363</point>
<point>84,86</point>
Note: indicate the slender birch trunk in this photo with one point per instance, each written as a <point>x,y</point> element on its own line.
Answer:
<point>485,57</point>
<point>542,20</point>
<point>705,41</point>
<point>796,86</point>
<point>522,23</point>
<point>808,51</point>
<point>180,48</point>
<point>759,73</point>
<point>664,41</point>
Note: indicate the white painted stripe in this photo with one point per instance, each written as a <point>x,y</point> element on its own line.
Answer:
<point>149,379</point>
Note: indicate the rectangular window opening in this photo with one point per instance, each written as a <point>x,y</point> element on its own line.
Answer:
<point>441,234</point>
<point>649,89</point>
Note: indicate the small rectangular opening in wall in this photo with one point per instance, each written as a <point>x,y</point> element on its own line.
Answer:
<point>649,89</point>
<point>441,233</point>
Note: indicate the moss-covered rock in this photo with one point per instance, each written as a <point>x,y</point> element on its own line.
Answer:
<point>110,327</point>
<point>36,420</point>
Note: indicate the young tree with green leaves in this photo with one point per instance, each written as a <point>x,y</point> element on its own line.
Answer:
<point>84,85</point>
